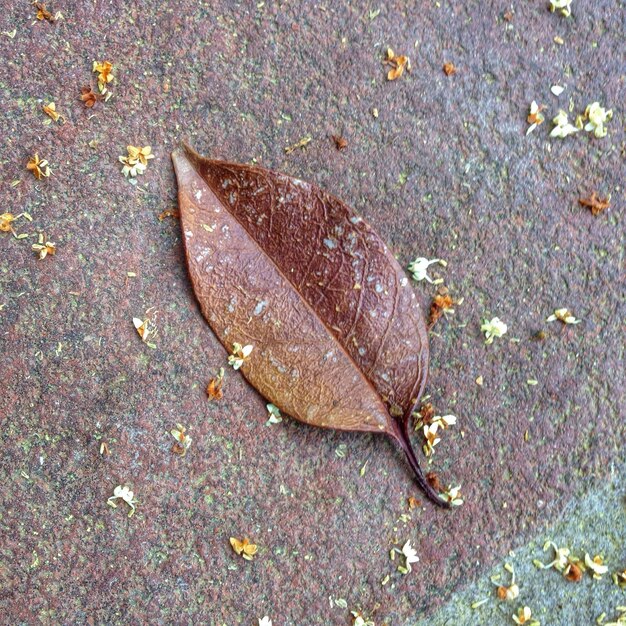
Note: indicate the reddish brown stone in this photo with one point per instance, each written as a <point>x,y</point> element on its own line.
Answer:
<point>441,172</point>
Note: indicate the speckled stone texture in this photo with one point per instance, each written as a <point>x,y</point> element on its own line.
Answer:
<point>594,523</point>
<point>444,171</point>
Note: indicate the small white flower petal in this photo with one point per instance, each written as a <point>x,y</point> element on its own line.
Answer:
<point>410,553</point>
<point>531,128</point>
<point>597,568</point>
<point>419,267</point>
<point>493,328</point>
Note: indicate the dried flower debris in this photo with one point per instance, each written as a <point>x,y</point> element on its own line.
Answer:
<point>524,616</point>
<point>619,578</point>
<point>340,142</point>
<point>557,90</point>
<point>44,14</point>
<point>562,6</point>
<point>434,482</point>
<point>274,415</point>
<point>442,305</point>
<point>572,572</point>
<point>572,567</point>
<point>89,97</point>
<point>358,619</point>
<point>123,493</point>
<point>449,69</point>
<point>299,144</point>
<point>432,434</point>
<point>43,247</point>
<point>240,355</point>
<point>413,503</point>
<point>146,327</point>
<point>563,315</point>
<point>341,450</point>
<point>50,110</point>
<point>173,213</point>
<point>419,269</point>
<point>595,203</point>
<point>444,421</point>
<point>535,116</point>
<point>39,167</point>
<point>244,548</point>
<point>424,416</point>
<point>141,155</point>
<point>431,439</point>
<point>183,440</point>
<point>561,558</point>
<point>214,388</point>
<point>104,69</point>
<point>510,592</point>
<point>596,566</point>
<point>478,603</point>
<point>136,162</point>
<point>7,220</point>
<point>398,64</point>
<point>562,127</point>
<point>409,555</point>
<point>452,495</point>
<point>493,328</point>
<point>432,425</point>
<point>598,117</point>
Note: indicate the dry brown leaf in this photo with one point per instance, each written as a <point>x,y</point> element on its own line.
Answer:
<point>289,255</point>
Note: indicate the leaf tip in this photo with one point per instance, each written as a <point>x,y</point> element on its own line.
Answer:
<point>183,153</point>
<point>189,151</point>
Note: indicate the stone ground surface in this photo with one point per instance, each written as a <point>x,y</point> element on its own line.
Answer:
<point>593,523</point>
<point>444,171</point>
